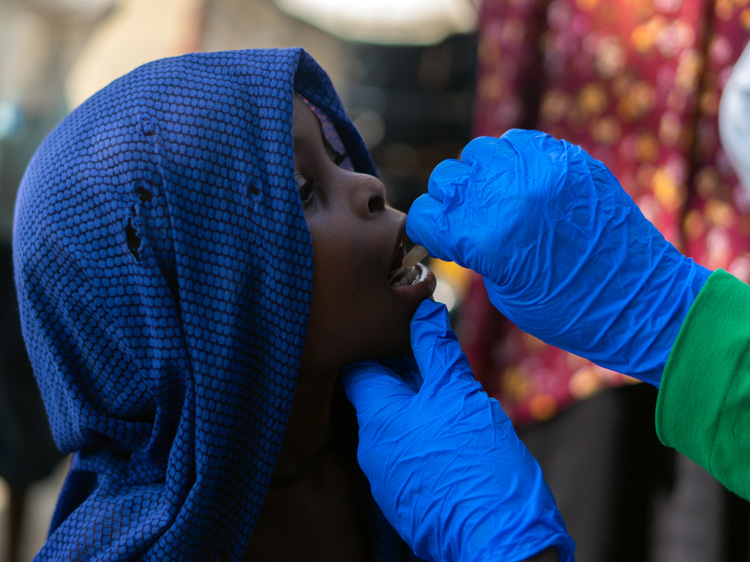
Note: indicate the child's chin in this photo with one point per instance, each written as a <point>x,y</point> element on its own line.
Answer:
<point>403,347</point>
<point>400,347</point>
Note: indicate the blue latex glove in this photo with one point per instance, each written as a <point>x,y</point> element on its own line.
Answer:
<point>444,462</point>
<point>564,251</point>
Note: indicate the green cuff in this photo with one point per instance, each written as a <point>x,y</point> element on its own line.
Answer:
<point>703,406</point>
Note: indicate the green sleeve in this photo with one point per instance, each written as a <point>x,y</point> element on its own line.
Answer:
<point>703,406</point>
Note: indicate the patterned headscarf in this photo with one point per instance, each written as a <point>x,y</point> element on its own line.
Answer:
<point>164,272</point>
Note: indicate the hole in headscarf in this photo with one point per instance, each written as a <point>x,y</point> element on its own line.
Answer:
<point>134,241</point>
<point>148,127</point>
<point>144,194</point>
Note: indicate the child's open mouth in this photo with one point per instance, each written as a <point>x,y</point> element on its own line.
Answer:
<point>405,268</point>
<point>406,276</point>
<point>411,276</point>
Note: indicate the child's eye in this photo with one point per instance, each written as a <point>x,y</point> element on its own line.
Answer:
<point>306,190</point>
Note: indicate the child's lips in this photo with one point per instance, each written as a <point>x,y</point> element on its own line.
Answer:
<point>406,273</point>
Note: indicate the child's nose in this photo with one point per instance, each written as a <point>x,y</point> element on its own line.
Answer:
<point>369,198</point>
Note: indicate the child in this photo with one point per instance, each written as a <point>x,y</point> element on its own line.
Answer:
<point>164,266</point>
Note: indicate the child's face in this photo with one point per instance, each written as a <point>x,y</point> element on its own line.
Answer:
<point>356,237</point>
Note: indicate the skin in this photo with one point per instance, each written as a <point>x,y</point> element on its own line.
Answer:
<point>354,315</point>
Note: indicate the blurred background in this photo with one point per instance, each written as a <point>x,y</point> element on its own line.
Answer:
<point>636,82</point>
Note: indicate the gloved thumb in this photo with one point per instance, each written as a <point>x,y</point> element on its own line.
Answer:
<point>371,386</point>
<point>436,349</point>
<point>425,224</point>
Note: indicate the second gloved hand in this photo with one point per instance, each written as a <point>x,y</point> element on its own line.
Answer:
<point>565,252</point>
<point>443,460</point>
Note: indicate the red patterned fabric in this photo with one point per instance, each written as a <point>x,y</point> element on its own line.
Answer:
<point>637,84</point>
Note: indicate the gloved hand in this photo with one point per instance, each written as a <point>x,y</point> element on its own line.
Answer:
<point>444,462</point>
<point>564,251</point>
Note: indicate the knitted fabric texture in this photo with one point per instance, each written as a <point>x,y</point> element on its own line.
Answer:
<point>164,273</point>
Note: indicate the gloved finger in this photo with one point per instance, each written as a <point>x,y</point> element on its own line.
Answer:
<point>541,152</point>
<point>448,176</point>
<point>436,349</point>
<point>425,225</point>
<point>524,140</point>
<point>371,386</point>
<point>490,152</point>
<point>603,178</point>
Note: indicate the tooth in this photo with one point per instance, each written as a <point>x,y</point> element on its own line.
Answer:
<point>404,277</point>
<point>416,277</point>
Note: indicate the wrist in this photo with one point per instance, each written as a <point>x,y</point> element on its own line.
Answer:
<point>688,280</point>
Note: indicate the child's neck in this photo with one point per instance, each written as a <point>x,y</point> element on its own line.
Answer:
<point>309,427</point>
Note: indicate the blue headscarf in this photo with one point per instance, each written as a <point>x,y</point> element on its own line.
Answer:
<point>164,273</point>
